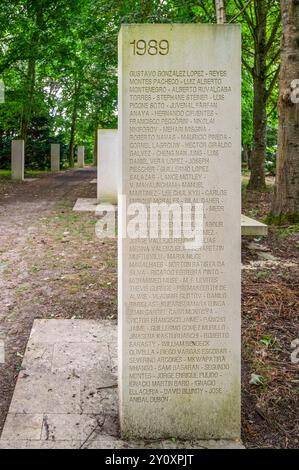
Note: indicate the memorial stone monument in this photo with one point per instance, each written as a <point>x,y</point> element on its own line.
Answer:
<point>81,152</point>
<point>17,160</point>
<point>55,157</point>
<point>179,308</point>
<point>108,166</point>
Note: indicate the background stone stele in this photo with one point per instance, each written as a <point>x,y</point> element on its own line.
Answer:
<point>108,165</point>
<point>55,157</point>
<point>81,156</point>
<point>179,309</point>
<point>17,159</point>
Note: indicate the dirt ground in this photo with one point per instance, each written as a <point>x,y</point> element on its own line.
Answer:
<point>52,266</point>
<point>270,323</point>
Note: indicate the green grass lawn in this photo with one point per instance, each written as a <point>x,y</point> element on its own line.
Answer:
<point>6,174</point>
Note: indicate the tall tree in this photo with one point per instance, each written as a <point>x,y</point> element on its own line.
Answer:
<point>220,11</point>
<point>286,194</point>
<point>260,54</point>
<point>36,21</point>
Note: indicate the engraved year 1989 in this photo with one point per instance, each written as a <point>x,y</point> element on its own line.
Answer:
<point>151,47</point>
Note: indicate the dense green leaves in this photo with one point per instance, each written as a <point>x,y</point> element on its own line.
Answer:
<point>58,59</point>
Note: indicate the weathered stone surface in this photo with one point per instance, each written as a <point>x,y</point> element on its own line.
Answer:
<point>55,331</point>
<point>79,357</point>
<point>22,426</point>
<point>38,357</point>
<point>67,427</point>
<point>179,309</point>
<point>85,204</point>
<point>52,392</point>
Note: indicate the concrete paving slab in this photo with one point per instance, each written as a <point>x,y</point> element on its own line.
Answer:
<point>100,396</point>
<point>55,331</point>
<point>23,426</point>
<point>46,392</point>
<point>38,357</point>
<point>85,204</point>
<point>92,205</point>
<point>79,357</point>
<point>93,331</point>
<point>67,427</point>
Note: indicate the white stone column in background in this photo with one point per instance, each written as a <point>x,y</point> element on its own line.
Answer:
<point>55,157</point>
<point>17,159</point>
<point>81,153</point>
<point>108,166</point>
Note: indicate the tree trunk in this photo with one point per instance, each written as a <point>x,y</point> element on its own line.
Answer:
<point>72,140</point>
<point>220,11</point>
<point>249,158</point>
<point>74,124</point>
<point>257,177</point>
<point>246,156</point>
<point>28,99</point>
<point>286,193</point>
<point>95,147</point>
<point>36,15</point>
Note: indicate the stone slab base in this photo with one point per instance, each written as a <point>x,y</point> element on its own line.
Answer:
<point>253,227</point>
<point>249,226</point>
<point>85,204</point>
<point>92,205</point>
<point>66,394</point>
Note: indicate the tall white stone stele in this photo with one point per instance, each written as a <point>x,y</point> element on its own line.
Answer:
<point>81,156</point>
<point>108,166</point>
<point>17,159</point>
<point>55,157</point>
<point>179,309</point>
